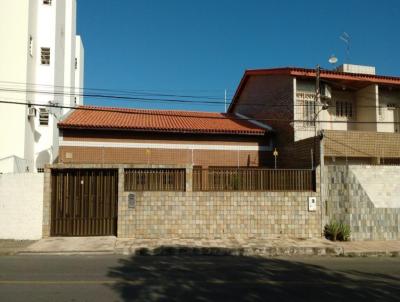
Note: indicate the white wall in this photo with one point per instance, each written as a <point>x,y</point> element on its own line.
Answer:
<point>13,59</point>
<point>79,72</point>
<point>52,26</point>
<point>21,206</point>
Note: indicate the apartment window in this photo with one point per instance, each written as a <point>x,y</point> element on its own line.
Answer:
<point>31,46</point>
<point>47,2</point>
<point>45,56</point>
<point>76,63</point>
<point>309,113</point>
<point>344,109</point>
<point>43,117</point>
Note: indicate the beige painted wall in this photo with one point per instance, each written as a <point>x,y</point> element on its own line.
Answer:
<point>367,101</point>
<point>388,116</point>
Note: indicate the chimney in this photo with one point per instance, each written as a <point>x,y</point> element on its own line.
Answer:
<point>351,68</point>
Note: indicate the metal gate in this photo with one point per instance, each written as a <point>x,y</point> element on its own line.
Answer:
<point>84,202</point>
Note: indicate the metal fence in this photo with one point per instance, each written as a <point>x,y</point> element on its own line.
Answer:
<point>155,179</point>
<point>253,179</point>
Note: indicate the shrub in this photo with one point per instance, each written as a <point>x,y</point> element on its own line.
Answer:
<point>337,231</point>
<point>331,231</point>
<point>344,232</point>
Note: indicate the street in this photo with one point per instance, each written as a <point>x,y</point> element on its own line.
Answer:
<point>201,278</point>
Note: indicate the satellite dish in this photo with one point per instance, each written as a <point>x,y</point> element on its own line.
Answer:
<point>333,59</point>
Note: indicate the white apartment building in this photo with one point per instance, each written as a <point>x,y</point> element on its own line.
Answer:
<point>41,63</point>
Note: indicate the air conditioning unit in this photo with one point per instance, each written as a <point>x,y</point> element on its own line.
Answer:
<point>326,91</point>
<point>391,106</point>
<point>31,112</point>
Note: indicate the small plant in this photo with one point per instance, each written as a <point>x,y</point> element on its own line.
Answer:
<point>344,232</point>
<point>337,231</point>
<point>331,231</point>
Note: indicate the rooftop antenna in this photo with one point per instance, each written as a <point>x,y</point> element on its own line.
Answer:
<point>345,37</point>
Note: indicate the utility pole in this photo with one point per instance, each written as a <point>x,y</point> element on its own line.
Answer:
<point>316,101</point>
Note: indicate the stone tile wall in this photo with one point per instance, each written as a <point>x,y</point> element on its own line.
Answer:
<point>218,215</point>
<point>348,201</point>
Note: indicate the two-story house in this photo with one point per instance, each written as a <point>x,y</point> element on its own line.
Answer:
<point>356,114</point>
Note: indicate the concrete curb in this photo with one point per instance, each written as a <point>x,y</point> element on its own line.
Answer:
<point>372,254</point>
<point>241,251</point>
<point>25,253</point>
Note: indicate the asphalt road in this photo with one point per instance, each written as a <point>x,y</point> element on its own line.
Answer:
<point>201,278</point>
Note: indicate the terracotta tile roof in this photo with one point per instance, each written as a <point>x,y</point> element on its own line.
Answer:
<point>91,117</point>
<point>343,77</point>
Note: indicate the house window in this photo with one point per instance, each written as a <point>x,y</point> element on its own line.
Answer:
<point>47,2</point>
<point>40,170</point>
<point>344,109</point>
<point>309,113</point>
<point>45,56</point>
<point>31,46</point>
<point>43,117</point>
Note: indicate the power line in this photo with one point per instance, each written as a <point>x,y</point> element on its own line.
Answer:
<point>124,91</point>
<point>158,113</point>
<point>146,100</point>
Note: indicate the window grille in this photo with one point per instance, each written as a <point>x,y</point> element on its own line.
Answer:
<point>43,116</point>
<point>45,56</point>
<point>344,109</point>
<point>155,179</point>
<point>309,113</point>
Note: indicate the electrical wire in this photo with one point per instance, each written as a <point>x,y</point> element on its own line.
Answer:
<point>187,114</point>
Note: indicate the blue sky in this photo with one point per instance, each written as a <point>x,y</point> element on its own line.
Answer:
<point>200,48</point>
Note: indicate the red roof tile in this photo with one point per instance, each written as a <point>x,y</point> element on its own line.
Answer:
<point>91,117</point>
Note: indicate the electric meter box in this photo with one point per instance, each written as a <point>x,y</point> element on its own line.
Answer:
<point>312,204</point>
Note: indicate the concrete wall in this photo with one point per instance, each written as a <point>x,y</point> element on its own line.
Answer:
<point>350,197</point>
<point>21,206</point>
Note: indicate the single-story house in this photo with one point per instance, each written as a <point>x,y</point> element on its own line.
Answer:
<point>115,135</point>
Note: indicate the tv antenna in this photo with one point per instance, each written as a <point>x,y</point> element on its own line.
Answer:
<point>345,37</point>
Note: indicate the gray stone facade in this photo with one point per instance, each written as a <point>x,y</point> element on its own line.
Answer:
<point>347,200</point>
<point>208,215</point>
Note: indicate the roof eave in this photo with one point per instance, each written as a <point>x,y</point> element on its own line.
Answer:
<point>177,131</point>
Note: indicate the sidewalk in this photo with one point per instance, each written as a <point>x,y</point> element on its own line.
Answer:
<point>371,248</point>
<point>10,247</point>
<point>264,248</point>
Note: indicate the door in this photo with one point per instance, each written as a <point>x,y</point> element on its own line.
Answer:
<point>84,202</point>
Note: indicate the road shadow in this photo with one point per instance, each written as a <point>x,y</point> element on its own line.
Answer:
<point>173,276</point>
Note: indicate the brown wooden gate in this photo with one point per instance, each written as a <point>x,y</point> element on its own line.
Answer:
<point>84,202</point>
